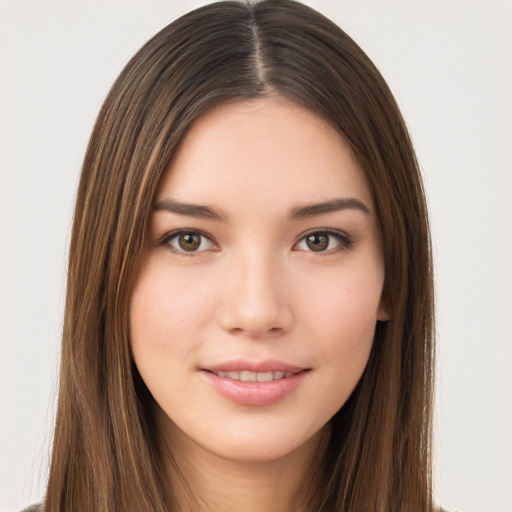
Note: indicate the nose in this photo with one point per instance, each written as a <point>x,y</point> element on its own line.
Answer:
<point>255,302</point>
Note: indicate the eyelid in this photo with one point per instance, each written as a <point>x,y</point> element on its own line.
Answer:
<point>345,240</point>
<point>177,232</point>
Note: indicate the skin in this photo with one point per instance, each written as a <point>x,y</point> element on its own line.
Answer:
<point>255,290</point>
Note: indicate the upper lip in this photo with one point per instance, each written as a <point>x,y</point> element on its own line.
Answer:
<point>269,365</point>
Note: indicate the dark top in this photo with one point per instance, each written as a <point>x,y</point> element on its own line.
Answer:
<point>39,508</point>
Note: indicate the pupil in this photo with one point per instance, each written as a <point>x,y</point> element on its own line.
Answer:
<point>317,243</point>
<point>189,242</point>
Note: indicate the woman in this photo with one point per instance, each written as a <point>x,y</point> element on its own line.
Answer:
<point>249,315</point>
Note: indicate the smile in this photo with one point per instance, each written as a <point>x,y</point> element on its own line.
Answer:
<point>254,384</point>
<point>248,376</point>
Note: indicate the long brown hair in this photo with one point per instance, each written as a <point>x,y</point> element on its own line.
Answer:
<point>105,454</point>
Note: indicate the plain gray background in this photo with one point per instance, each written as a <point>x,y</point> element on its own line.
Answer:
<point>449,64</point>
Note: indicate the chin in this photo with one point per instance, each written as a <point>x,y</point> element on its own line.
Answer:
<point>263,442</point>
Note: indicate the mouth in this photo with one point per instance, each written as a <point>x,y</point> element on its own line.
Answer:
<point>248,376</point>
<point>255,384</point>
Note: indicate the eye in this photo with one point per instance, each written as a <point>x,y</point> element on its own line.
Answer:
<point>324,241</point>
<point>188,241</point>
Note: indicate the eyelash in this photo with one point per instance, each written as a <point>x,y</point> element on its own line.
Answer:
<point>344,241</point>
<point>167,239</point>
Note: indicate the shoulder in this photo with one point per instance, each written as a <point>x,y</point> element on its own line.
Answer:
<point>38,507</point>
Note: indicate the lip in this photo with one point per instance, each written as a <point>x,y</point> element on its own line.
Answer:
<point>268,365</point>
<point>255,394</point>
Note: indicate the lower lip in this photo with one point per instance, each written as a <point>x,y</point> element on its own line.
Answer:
<point>255,394</point>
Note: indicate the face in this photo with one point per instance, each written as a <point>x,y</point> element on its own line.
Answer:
<point>254,312</point>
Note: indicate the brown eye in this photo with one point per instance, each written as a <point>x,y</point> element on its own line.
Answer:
<point>324,241</point>
<point>317,242</point>
<point>188,242</point>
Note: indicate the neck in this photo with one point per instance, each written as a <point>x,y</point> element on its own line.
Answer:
<point>203,481</point>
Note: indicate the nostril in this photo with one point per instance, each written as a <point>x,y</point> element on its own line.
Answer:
<point>254,314</point>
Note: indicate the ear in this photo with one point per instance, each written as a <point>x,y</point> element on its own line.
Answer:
<point>383,314</point>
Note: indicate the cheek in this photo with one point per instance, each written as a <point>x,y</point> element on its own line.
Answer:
<point>168,314</point>
<point>345,304</point>
<point>344,332</point>
<point>342,318</point>
<point>168,305</point>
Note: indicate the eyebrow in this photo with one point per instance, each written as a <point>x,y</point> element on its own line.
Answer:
<point>299,212</point>
<point>190,210</point>
<point>334,205</point>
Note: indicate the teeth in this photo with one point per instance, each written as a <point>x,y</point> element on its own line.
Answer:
<point>247,376</point>
<point>265,377</point>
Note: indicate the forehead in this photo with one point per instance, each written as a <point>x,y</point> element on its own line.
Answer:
<point>265,150</point>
